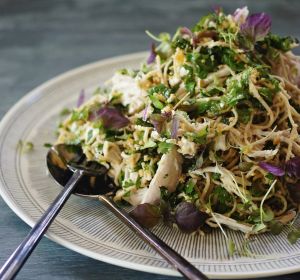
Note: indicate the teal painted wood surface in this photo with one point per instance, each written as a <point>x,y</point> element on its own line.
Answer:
<point>41,38</point>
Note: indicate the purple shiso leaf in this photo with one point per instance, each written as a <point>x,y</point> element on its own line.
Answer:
<point>167,115</point>
<point>158,122</point>
<point>81,98</point>
<point>186,31</point>
<point>273,169</point>
<point>240,15</point>
<point>175,126</point>
<point>217,9</point>
<point>145,113</point>
<point>292,167</point>
<point>256,26</point>
<point>152,54</point>
<point>146,214</point>
<point>188,217</point>
<point>110,117</point>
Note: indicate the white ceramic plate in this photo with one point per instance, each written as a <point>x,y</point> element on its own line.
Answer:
<point>85,226</point>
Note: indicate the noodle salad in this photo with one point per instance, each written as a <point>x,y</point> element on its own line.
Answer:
<point>205,134</point>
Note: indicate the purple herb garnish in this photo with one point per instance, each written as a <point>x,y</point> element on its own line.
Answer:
<point>110,117</point>
<point>152,54</point>
<point>240,15</point>
<point>167,115</point>
<point>292,167</point>
<point>158,122</point>
<point>256,27</point>
<point>81,98</point>
<point>175,126</point>
<point>186,31</point>
<point>273,169</point>
<point>188,217</point>
<point>146,214</point>
<point>217,9</point>
<point>145,113</point>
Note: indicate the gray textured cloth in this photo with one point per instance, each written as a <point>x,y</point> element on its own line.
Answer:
<point>41,38</point>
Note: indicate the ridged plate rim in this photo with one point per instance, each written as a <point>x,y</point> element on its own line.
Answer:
<point>38,93</point>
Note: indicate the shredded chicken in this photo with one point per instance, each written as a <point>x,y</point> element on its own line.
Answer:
<point>167,175</point>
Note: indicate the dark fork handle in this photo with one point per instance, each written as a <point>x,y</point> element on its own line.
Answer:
<point>173,258</point>
<point>15,262</point>
<point>21,254</point>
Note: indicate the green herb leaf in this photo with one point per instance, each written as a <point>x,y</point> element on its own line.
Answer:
<point>127,184</point>
<point>270,177</point>
<point>231,247</point>
<point>64,112</point>
<point>244,115</point>
<point>139,121</point>
<point>276,227</point>
<point>221,194</point>
<point>237,90</point>
<point>89,135</point>
<point>281,43</point>
<point>164,147</point>
<point>80,115</point>
<point>267,215</point>
<point>204,62</point>
<point>181,43</point>
<point>25,147</point>
<point>48,145</point>
<point>149,144</point>
<point>216,176</point>
<point>198,137</point>
<point>156,102</point>
<point>190,85</point>
<point>202,24</point>
<point>269,92</point>
<point>164,193</point>
<point>259,227</point>
<point>229,58</point>
<point>293,236</point>
<point>221,199</point>
<point>164,50</point>
<point>245,166</point>
<point>160,89</point>
<point>190,187</point>
<point>203,106</point>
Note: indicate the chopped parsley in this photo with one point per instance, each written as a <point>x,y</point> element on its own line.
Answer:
<point>164,147</point>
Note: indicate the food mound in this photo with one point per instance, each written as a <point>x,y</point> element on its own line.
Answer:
<point>205,134</point>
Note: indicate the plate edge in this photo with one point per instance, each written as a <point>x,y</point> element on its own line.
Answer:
<point>18,211</point>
